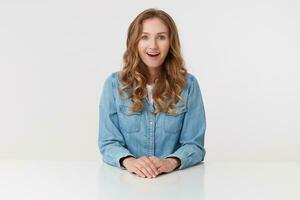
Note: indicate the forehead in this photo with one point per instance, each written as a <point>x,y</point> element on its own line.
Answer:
<point>154,26</point>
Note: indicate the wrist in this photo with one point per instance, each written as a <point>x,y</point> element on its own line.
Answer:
<point>174,161</point>
<point>126,160</point>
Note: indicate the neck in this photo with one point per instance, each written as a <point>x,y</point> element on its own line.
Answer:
<point>153,73</point>
<point>150,81</point>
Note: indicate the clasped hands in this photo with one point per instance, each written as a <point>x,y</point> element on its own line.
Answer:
<point>150,167</point>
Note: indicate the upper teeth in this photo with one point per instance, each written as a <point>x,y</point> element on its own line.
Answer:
<point>153,53</point>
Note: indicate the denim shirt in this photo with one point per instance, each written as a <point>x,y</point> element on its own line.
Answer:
<point>123,132</point>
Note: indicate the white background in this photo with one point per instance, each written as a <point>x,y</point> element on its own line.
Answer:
<point>55,55</point>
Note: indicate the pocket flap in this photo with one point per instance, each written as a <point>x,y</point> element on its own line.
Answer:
<point>178,110</point>
<point>127,110</point>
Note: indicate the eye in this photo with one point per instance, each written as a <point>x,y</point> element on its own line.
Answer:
<point>162,37</point>
<point>144,37</point>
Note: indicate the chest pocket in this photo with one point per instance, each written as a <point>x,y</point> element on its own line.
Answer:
<point>129,121</point>
<point>173,123</point>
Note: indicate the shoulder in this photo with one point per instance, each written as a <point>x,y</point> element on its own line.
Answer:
<point>113,76</point>
<point>191,80</point>
<point>112,79</point>
<point>190,77</point>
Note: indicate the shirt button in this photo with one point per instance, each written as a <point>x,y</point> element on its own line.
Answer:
<point>150,122</point>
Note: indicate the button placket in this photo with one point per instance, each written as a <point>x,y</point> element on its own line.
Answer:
<point>152,129</point>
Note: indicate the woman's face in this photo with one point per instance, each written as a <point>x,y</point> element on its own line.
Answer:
<point>154,44</point>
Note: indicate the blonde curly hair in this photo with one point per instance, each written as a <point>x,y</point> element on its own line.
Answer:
<point>134,74</point>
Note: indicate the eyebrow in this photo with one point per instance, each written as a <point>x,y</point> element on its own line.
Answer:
<point>157,33</point>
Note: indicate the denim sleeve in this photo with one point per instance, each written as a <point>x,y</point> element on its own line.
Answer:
<point>110,140</point>
<point>191,150</point>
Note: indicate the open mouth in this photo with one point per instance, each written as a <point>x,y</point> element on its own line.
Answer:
<point>153,55</point>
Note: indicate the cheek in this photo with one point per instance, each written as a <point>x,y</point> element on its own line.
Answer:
<point>165,47</point>
<point>140,49</point>
<point>141,44</point>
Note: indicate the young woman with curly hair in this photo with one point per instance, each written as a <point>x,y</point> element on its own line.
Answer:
<point>152,118</point>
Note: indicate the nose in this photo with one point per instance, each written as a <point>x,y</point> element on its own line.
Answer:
<point>153,44</point>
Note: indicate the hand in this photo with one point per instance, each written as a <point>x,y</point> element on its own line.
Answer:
<point>164,165</point>
<point>142,166</point>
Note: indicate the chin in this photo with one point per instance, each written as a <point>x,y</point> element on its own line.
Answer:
<point>153,67</point>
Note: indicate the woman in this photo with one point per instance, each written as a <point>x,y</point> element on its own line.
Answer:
<point>152,118</point>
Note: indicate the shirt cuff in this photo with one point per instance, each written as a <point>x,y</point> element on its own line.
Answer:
<point>177,158</point>
<point>123,158</point>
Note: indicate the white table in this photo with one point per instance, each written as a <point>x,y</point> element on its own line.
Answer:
<point>70,180</point>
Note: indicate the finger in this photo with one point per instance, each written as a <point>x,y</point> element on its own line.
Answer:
<point>145,171</point>
<point>150,164</point>
<point>154,158</point>
<point>162,169</point>
<point>145,162</point>
<point>138,172</point>
<point>143,166</point>
<point>156,161</point>
<point>154,169</point>
<point>151,171</point>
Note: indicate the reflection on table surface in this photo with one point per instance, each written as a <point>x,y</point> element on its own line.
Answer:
<point>95,180</point>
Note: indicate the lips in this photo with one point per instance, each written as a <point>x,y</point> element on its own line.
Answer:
<point>153,54</point>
